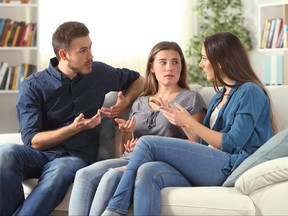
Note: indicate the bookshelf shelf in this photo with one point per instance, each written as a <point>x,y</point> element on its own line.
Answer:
<point>18,5</point>
<point>17,54</point>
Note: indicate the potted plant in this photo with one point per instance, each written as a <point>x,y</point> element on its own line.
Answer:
<point>214,16</point>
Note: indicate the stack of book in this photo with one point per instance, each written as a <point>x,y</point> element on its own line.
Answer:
<point>274,34</point>
<point>11,77</point>
<point>14,33</point>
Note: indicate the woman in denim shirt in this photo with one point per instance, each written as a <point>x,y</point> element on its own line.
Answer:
<point>239,120</point>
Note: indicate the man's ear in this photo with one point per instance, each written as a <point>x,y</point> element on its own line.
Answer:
<point>62,54</point>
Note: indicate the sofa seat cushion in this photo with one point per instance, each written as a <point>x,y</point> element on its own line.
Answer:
<point>29,184</point>
<point>271,200</point>
<point>205,201</point>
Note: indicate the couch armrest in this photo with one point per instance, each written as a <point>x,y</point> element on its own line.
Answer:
<point>262,175</point>
<point>11,138</point>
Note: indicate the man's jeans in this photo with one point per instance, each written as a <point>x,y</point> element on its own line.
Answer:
<point>55,173</point>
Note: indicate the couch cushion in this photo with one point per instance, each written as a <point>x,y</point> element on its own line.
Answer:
<point>29,184</point>
<point>262,175</point>
<point>205,201</point>
<point>275,147</point>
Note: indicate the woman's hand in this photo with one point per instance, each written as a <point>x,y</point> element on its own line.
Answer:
<point>126,126</point>
<point>130,145</point>
<point>176,114</point>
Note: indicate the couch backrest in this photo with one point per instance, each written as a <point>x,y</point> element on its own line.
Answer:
<point>279,96</point>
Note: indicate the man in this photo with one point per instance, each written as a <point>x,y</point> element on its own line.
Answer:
<point>59,111</point>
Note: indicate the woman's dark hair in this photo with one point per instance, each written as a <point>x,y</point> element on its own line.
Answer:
<point>227,55</point>
<point>65,33</point>
<point>151,84</point>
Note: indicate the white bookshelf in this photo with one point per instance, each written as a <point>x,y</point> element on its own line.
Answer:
<point>276,59</point>
<point>16,11</point>
<point>15,56</point>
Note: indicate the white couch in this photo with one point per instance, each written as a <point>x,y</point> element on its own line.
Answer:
<point>267,199</point>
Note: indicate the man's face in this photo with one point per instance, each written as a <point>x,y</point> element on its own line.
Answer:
<point>79,58</point>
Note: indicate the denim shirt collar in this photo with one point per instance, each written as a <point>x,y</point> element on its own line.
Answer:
<point>60,76</point>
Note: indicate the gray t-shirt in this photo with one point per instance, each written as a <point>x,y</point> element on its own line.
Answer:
<point>152,122</point>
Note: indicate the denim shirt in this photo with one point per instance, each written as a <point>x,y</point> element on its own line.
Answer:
<point>244,121</point>
<point>49,100</point>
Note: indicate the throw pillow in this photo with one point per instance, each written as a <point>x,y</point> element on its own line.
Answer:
<point>262,175</point>
<point>275,147</point>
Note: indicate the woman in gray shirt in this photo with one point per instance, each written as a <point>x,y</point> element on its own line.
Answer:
<point>166,82</point>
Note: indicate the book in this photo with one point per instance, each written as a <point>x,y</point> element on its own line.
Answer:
<point>15,78</point>
<point>27,32</point>
<point>23,33</point>
<point>278,27</point>
<point>22,26</point>
<point>34,36</point>
<point>32,29</point>
<point>8,77</point>
<point>20,75</point>
<point>12,34</point>
<point>16,35</point>
<point>3,83</point>
<point>271,33</point>
<point>265,33</point>
<point>285,36</point>
<point>280,40</point>
<point>3,68</point>
<point>5,31</point>
<point>273,69</point>
<point>2,25</point>
<point>12,71</point>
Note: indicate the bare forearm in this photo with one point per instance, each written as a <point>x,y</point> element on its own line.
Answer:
<point>213,138</point>
<point>135,89</point>
<point>192,136</point>
<point>124,138</point>
<point>48,139</point>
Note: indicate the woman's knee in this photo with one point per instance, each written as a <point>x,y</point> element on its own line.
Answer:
<point>111,176</point>
<point>147,173</point>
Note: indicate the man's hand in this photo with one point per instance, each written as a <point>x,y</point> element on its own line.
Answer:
<point>115,110</point>
<point>80,123</point>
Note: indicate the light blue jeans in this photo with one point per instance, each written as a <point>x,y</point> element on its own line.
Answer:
<point>55,173</point>
<point>94,186</point>
<point>178,162</point>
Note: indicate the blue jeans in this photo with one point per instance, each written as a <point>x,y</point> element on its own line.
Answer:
<point>87,197</point>
<point>55,173</point>
<point>199,165</point>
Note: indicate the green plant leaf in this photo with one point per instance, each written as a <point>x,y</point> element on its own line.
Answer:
<point>214,16</point>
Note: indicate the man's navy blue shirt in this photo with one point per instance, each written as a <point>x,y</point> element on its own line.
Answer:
<point>49,100</point>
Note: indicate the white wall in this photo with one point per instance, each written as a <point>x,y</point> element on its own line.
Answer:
<point>122,31</point>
